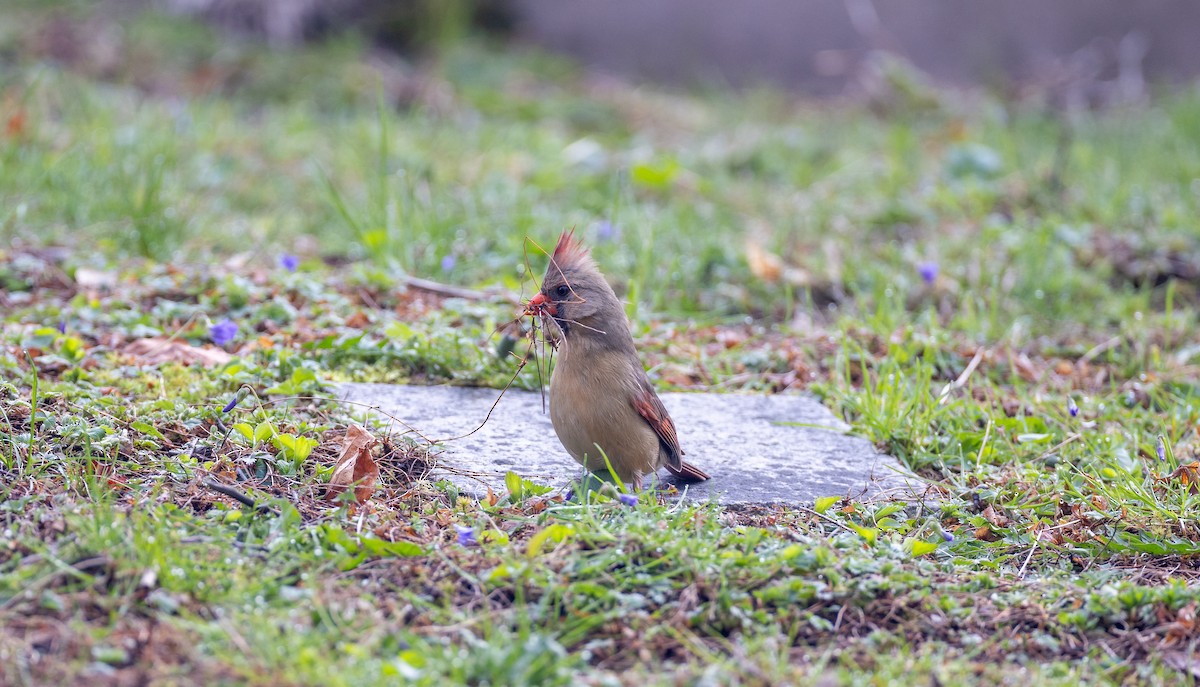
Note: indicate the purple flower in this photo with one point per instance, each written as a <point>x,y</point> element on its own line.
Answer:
<point>929,271</point>
<point>628,499</point>
<point>223,332</point>
<point>449,262</point>
<point>1072,408</point>
<point>466,536</point>
<point>232,404</point>
<point>607,231</point>
<point>1161,449</point>
<point>62,327</point>
<point>289,262</point>
<point>947,536</point>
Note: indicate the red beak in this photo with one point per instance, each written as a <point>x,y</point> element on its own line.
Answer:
<point>540,305</point>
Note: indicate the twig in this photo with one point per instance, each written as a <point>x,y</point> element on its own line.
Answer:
<point>520,366</point>
<point>78,570</point>
<point>1062,443</point>
<point>445,289</point>
<point>366,298</point>
<point>1036,543</point>
<point>962,378</point>
<point>238,496</point>
<point>1100,348</point>
<point>826,518</point>
<point>239,545</point>
<point>368,406</point>
<point>987,430</point>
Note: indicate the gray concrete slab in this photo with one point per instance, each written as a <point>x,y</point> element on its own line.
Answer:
<point>757,448</point>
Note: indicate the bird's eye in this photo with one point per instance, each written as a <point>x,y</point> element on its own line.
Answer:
<point>562,291</point>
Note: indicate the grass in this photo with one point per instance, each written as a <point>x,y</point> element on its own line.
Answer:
<point>763,244</point>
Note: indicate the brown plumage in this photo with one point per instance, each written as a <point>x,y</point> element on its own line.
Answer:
<point>600,397</point>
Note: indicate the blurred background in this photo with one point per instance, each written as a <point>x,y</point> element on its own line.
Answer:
<point>779,157</point>
<point>818,47</point>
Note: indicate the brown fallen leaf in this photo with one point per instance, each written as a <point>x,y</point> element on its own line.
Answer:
<point>996,518</point>
<point>15,126</point>
<point>355,466</point>
<point>157,350</point>
<point>1183,626</point>
<point>1187,475</point>
<point>1025,367</point>
<point>985,534</point>
<point>763,264</point>
<point>358,320</point>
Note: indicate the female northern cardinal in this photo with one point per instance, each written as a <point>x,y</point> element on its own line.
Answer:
<point>601,403</point>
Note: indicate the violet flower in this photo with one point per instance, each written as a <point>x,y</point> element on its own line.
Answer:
<point>607,231</point>
<point>238,395</point>
<point>466,536</point>
<point>223,332</point>
<point>628,499</point>
<point>1160,448</point>
<point>1072,408</point>
<point>928,271</point>
<point>289,262</point>
<point>449,262</point>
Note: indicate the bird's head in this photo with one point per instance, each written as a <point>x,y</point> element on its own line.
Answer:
<point>575,296</point>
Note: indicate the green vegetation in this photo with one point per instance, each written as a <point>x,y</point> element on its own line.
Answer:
<point>1001,296</point>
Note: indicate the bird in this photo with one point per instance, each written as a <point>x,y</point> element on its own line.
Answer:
<point>602,405</point>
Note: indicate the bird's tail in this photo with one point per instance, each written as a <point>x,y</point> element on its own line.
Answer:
<point>688,472</point>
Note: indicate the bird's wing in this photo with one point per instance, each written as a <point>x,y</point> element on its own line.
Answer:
<point>688,472</point>
<point>648,405</point>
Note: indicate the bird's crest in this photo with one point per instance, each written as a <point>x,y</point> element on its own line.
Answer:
<point>569,252</point>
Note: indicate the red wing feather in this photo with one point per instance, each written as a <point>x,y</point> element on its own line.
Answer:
<point>688,472</point>
<point>652,410</point>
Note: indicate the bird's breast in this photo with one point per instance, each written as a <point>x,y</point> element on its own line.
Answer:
<point>591,405</point>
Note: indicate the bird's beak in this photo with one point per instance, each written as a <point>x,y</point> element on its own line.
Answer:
<point>540,305</point>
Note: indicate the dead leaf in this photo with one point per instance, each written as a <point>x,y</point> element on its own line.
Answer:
<point>1043,533</point>
<point>1188,475</point>
<point>358,320</point>
<point>15,126</point>
<point>1025,367</point>
<point>355,465</point>
<point>763,264</point>
<point>157,351</point>
<point>1183,627</point>
<point>997,519</point>
<point>50,364</point>
<point>985,534</point>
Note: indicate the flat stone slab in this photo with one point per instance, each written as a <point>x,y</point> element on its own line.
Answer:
<point>757,448</point>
